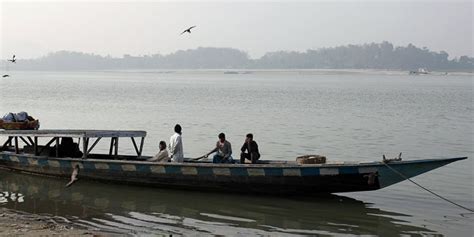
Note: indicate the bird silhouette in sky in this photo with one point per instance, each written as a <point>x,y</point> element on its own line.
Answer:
<point>188,30</point>
<point>13,60</point>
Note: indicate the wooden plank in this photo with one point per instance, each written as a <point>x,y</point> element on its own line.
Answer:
<point>57,146</point>
<point>73,133</point>
<point>17,149</point>
<point>93,144</point>
<point>135,146</point>
<point>116,146</point>
<point>8,142</point>
<point>112,140</point>
<point>141,147</point>
<point>85,144</point>
<point>35,143</point>
<point>25,141</point>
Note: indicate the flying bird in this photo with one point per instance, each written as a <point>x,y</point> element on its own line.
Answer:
<point>188,30</point>
<point>13,60</point>
<point>6,75</point>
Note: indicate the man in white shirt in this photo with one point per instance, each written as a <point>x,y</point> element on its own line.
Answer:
<point>162,155</point>
<point>176,145</point>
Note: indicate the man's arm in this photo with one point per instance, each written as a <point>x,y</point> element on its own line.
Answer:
<point>244,147</point>
<point>229,153</point>
<point>213,150</point>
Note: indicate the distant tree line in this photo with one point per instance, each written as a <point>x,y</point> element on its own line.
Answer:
<point>368,56</point>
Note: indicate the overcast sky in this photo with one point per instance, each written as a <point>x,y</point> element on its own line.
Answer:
<point>33,29</point>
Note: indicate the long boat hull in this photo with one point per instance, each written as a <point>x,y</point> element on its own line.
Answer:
<point>273,177</point>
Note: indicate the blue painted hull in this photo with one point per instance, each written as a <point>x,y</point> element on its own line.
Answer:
<point>274,178</point>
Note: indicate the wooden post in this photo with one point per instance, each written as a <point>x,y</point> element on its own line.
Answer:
<point>135,146</point>
<point>17,149</point>
<point>112,140</point>
<point>35,143</point>
<point>31,140</point>
<point>116,146</point>
<point>25,141</point>
<point>141,147</point>
<point>7,143</point>
<point>93,145</point>
<point>57,146</point>
<point>85,142</point>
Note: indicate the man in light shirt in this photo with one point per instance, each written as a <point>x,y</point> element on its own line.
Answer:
<point>176,145</point>
<point>162,155</point>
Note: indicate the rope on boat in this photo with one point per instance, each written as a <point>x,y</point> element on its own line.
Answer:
<point>403,176</point>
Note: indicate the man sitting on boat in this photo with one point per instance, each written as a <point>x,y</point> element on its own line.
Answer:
<point>176,145</point>
<point>223,151</point>
<point>162,155</point>
<point>67,148</point>
<point>252,150</point>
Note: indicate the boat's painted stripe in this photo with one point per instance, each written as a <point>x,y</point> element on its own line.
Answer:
<point>143,168</point>
<point>189,170</point>
<point>273,171</point>
<point>309,171</point>
<point>43,162</point>
<point>33,162</point>
<point>205,171</point>
<point>14,159</point>
<point>329,171</point>
<point>89,166</point>
<point>53,163</point>
<point>101,166</point>
<point>238,171</point>
<point>64,164</point>
<point>157,169</point>
<point>74,163</point>
<point>172,170</point>
<point>256,172</point>
<point>116,167</point>
<point>129,168</point>
<point>348,170</point>
<point>23,161</point>
<point>365,170</point>
<point>291,172</point>
<point>221,171</point>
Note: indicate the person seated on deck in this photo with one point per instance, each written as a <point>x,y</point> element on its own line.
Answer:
<point>252,150</point>
<point>162,155</point>
<point>223,151</point>
<point>67,148</point>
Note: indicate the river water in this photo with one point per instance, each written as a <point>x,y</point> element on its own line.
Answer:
<point>343,115</point>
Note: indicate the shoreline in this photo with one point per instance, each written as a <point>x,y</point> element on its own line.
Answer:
<point>17,223</point>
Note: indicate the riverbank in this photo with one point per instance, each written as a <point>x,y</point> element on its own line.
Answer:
<point>15,223</point>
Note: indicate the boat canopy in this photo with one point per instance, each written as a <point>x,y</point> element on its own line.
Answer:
<point>30,138</point>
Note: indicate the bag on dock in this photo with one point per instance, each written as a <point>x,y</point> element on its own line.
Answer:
<point>311,159</point>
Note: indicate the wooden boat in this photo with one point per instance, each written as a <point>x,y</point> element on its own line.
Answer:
<point>269,177</point>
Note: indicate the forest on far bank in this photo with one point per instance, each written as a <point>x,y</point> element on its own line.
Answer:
<point>383,56</point>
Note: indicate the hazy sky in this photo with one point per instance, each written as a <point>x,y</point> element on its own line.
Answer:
<point>33,29</point>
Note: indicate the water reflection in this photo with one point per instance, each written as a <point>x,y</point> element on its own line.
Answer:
<point>143,210</point>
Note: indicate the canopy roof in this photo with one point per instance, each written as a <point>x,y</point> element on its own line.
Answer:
<point>73,133</point>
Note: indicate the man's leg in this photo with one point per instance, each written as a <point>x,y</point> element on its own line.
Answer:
<point>244,156</point>
<point>217,159</point>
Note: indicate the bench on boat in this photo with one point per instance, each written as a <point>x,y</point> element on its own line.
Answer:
<point>89,139</point>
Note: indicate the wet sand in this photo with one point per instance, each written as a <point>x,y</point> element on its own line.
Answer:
<point>15,223</point>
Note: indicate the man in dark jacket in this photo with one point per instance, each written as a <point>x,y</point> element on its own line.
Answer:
<point>249,150</point>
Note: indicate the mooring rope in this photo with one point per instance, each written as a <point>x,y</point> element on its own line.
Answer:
<point>403,176</point>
